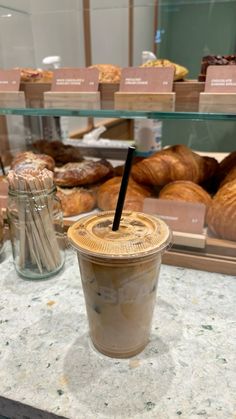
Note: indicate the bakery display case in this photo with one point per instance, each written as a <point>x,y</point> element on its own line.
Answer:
<point>190,183</point>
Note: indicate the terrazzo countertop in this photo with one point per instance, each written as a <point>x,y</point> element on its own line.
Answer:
<point>48,368</point>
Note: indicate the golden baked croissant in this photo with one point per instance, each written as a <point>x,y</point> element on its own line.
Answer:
<point>177,162</point>
<point>221,216</point>
<point>82,173</point>
<point>108,194</point>
<point>75,201</point>
<point>28,160</point>
<point>185,190</point>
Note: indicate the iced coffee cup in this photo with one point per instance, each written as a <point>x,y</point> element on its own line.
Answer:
<point>119,273</point>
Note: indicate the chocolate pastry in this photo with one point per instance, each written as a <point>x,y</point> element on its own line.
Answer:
<point>215,60</point>
<point>61,153</point>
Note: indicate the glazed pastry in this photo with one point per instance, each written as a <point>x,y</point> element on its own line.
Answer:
<point>185,190</point>
<point>75,201</point>
<point>82,173</point>
<point>58,151</point>
<point>29,160</point>
<point>174,163</point>
<point>221,216</point>
<point>108,194</point>
<point>108,73</point>
<point>180,71</point>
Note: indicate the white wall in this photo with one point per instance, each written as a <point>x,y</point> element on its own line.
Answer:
<point>55,27</point>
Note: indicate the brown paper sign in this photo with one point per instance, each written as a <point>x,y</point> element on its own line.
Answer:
<point>75,80</point>
<point>221,79</point>
<point>147,79</point>
<point>9,80</point>
<point>180,216</point>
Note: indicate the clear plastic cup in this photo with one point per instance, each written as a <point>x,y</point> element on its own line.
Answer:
<point>119,273</point>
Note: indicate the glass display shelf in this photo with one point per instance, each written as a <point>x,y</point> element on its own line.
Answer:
<point>197,116</point>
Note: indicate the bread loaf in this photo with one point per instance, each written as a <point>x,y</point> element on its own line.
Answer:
<point>184,190</point>
<point>108,193</point>
<point>174,163</point>
<point>221,217</point>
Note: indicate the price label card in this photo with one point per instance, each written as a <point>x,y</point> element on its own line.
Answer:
<point>179,215</point>
<point>221,79</point>
<point>75,80</point>
<point>9,80</point>
<point>147,79</point>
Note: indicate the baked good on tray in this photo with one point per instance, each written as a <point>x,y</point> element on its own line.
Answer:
<point>185,190</point>
<point>107,195</point>
<point>108,73</point>
<point>82,173</point>
<point>29,160</point>
<point>180,71</point>
<point>215,60</point>
<point>75,201</point>
<point>227,164</point>
<point>177,162</point>
<point>61,153</point>
<point>229,177</point>
<point>221,216</point>
<point>35,75</point>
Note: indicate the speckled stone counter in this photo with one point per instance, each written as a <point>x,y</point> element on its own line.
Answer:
<point>48,368</point>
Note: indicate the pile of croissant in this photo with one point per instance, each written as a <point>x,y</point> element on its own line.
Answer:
<point>175,173</point>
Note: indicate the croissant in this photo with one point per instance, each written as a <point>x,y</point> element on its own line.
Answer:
<point>75,201</point>
<point>108,194</point>
<point>229,177</point>
<point>185,190</point>
<point>228,163</point>
<point>221,216</point>
<point>174,163</point>
<point>28,160</point>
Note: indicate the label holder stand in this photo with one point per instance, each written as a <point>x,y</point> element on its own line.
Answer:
<point>70,100</point>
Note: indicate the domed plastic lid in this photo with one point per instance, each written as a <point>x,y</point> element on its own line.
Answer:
<point>138,235</point>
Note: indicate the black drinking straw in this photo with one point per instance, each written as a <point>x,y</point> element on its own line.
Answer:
<point>2,167</point>
<point>123,189</point>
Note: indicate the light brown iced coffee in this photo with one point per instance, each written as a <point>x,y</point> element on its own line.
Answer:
<point>119,272</point>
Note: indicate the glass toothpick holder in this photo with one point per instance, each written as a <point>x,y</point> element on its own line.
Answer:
<point>36,225</point>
